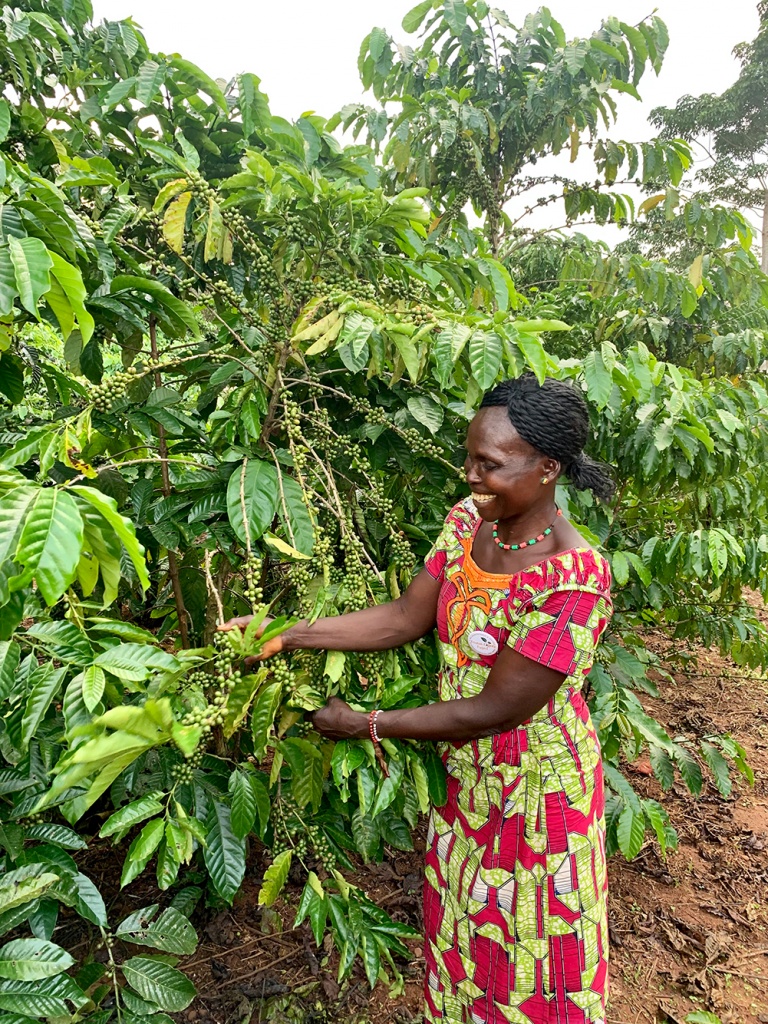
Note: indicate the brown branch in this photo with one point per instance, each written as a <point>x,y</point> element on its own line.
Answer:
<point>173,565</point>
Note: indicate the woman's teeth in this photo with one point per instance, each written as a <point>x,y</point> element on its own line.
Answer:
<point>482,499</point>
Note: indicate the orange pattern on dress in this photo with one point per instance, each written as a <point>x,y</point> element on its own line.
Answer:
<point>459,608</point>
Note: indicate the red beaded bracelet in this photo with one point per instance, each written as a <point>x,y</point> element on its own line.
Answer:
<point>372,725</point>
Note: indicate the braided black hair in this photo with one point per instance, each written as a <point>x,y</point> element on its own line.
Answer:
<point>553,418</point>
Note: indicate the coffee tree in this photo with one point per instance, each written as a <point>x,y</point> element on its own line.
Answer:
<point>237,361</point>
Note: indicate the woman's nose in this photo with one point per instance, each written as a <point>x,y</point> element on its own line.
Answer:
<point>470,473</point>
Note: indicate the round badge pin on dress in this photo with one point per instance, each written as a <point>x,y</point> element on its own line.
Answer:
<point>483,643</point>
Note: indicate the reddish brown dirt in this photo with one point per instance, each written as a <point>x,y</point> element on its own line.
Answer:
<point>689,933</point>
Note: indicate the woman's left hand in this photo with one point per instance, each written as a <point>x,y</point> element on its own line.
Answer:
<point>338,721</point>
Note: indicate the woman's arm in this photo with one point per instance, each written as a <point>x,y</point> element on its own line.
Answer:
<point>515,690</point>
<point>373,629</point>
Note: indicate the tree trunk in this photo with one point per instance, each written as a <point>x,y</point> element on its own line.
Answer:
<point>764,249</point>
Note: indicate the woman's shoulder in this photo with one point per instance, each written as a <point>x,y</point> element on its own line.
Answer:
<point>577,568</point>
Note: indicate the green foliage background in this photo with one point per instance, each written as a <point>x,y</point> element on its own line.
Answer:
<point>237,360</point>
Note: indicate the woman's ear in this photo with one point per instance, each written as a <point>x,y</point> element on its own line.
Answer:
<point>550,470</point>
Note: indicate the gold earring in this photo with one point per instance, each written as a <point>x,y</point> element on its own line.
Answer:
<point>545,480</point>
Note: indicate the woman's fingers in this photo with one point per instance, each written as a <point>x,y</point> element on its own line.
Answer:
<point>270,648</point>
<point>240,621</point>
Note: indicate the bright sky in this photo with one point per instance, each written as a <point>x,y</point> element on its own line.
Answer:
<point>305,51</point>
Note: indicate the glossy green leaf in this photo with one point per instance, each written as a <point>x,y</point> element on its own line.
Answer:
<point>32,265</point>
<point>159,983</point>
<point>263,716</point>
<point>122,527</point>
<point>136,662</point>
<point>630,832</point>
<point>151,76</point>
<point>292,510</point>
<point>50,541</point>
<point>70,281</point>
<point>24,885</point>
<point>485,357</point>
<point>243,804</point>
<point>427,411</point>
<point>170,932</point>
<point>144,807</point>
<point>94,682</point>
<point>224,852</point>
<point>45,685</point>
<point>252,499</point>
<point>141,850</point>
<point>32,959</point>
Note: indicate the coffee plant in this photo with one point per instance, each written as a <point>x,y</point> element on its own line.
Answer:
<point>237,361</point>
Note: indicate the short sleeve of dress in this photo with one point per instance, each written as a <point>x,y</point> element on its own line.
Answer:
<point>561,628</point>
<point>457,523</point>
<point>435,561</point>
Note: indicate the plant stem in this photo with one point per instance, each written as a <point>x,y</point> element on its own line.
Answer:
<point>173,565</point>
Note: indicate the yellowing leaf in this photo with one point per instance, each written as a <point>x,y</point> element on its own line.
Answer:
<point>214,236</point>
<point>575,143</point>
<point>174,220</point>
<point>695,273</point>
<point>319,328</point>
<point>283,547</point>
<point>327,339</point>
<point>651,203</point>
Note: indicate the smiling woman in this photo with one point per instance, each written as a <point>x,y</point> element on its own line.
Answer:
<point>515,882</point>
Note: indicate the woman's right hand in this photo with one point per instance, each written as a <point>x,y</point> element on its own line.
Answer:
<point>271,647</point>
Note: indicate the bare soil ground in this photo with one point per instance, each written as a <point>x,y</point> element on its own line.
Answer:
<point>689,933</point>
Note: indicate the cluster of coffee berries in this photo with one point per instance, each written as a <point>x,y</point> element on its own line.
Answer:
<point>224,677</point>
<point>357,594</point>
<point>322,558</point>
<point>200,186</point>
<point>337,277</point>
<point>483,191</point>
<point>292,417</point>
<point>184,771</point>
<point>235,221</point>
<point>419,316</point>
<point>397,288</point>
<point>373,414</point>
<point>94,225</point>
<point>401,550</point>
<point>458,204</point>
<point>226,291</point>
<point>338,447</point>
<point>303,291</point>
<point>301,577</point>
<point>295,230</point>
<point>321,845</point>
<point>420,445</point>
<point>252,567</point>
<point>197,677</point>
<point>282,672</point>
<point>373,664</point>
<point>383,505</point>
<point>111,389</point>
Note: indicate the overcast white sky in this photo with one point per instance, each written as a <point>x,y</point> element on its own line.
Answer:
<point>305,51</point>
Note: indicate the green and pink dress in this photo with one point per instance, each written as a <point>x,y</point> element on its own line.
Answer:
<point>515,887</point>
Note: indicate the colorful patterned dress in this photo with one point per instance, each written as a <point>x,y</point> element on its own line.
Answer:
<point>515,888</point>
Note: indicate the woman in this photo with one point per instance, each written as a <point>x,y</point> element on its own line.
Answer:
<point>515,887</point>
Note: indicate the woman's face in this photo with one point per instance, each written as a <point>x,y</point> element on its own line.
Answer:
<point>503,471</point>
